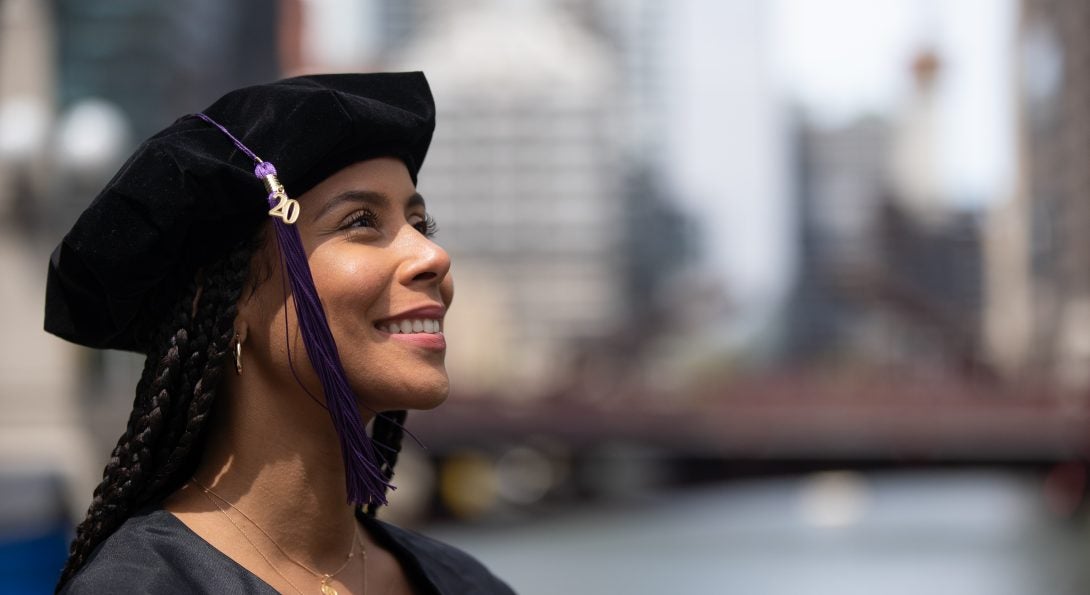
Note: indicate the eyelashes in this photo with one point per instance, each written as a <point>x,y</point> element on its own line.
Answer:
<point>428,226</point>
<point>367,219</point>
<point>363,218</point>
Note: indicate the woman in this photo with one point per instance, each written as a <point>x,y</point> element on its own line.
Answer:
<point>276,323</point>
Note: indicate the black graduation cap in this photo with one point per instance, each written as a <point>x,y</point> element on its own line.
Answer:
<point>187,195</point>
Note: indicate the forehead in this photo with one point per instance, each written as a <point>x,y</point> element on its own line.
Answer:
<point>380,184</point>
<point>383,175</point>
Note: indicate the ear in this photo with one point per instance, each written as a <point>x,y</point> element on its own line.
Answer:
<point>250,307</point>
<point>245,313</point>
<point>241,328</point>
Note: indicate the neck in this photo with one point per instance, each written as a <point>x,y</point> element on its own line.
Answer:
<point>274,455</point>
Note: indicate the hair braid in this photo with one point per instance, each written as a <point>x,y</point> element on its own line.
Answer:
<point>113,498</point>
<point>387,432</point>
<point>213,336</point>
<point>173,398</point>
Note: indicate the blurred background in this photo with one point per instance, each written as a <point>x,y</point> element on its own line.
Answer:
<point>785,296</point>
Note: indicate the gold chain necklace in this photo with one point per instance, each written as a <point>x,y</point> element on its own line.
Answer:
<point>325,579</point>
<point>252,544</point>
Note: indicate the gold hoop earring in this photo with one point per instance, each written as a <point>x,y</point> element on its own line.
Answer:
<point>238,355</point>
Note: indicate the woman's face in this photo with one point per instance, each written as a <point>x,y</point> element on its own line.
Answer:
<point>384,284</point>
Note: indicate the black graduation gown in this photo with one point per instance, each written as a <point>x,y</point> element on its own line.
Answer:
<point>154,552</point>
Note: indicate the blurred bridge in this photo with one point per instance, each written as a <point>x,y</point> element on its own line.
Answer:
<point>792,418</point>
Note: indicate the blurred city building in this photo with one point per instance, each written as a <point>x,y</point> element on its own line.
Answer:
<point>842,178</point>
<point>1042,232</point>
<point>27,88</point>
<point>889,273</point>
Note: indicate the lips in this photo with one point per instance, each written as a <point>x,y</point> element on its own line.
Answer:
<point>421,326</point>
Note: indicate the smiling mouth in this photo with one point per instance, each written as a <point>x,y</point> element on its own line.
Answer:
<point>429,326</point>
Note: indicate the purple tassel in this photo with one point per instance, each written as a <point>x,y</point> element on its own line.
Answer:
<point>363,474</point>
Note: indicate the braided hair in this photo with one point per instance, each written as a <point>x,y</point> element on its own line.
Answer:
<point>164,438</point>
<point>387,432</point>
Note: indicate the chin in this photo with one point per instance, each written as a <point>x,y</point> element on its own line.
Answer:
<point>427,397</point>
<point>431,403</point>
<point>420,395</point>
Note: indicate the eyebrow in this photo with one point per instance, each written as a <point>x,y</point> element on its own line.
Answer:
<point>377,199</point>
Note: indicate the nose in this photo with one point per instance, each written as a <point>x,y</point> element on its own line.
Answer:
<point>424,261</point>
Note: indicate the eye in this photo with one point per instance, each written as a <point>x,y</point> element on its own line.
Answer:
<point>427,226</point>
<point>360,219</point>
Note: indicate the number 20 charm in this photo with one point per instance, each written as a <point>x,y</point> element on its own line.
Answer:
<point>287,208</point>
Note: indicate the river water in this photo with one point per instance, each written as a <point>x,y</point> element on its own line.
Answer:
<point>894,533</point>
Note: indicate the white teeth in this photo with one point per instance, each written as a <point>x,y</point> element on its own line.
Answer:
<point>421,325</point>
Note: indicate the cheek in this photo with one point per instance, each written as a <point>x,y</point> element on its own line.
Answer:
<point>352,288</point>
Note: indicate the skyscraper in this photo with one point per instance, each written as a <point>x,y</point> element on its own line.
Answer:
<point>1054,207</point>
